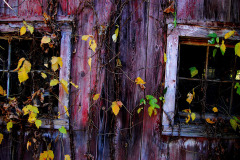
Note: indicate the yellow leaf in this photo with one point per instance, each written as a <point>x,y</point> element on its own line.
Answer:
<point>215,109</point>
<point>237,49</point>
<point>28,144</point>
<point>27,66</point>
<point>54,82</point>
<point>25,110</point>
<point>76,86</point>
<point>43,156</point>
<point>67,157</point>
<point>93,45</point>
<point>2,92</point>
<point>45,39</point>
<point>85,37</point>
<point>119,103</point>
<point>187,110</point>
<point>25,23</point>
<point>64,85</point>
<point>165,57</point>
<point>90,62</point>
<point>187,119</point>
<point>55,62</point>
<point>30,28</point>
<point>46,65</point>
<point>9,126</point>
<point>1,137</point>
<point>96,96</point>
<point>193,92</point>
<point>115,108</point>
<point>229,34</point>
<point>193,116</point>
<point>139,80</point>
<point>210,121</point>
<point>190,97</point>
<point>139,110</point>
<point>155,112</point>
<point>38,123</point>
<point>23,30</point>
<point>22,75</point>
<point>150,111</point>
<point>66,110</point>
<point>114,36</point>
<point>32,117</point>
<point>223,48</point>
<point>50,154</point>
<point>59,115</point>
<point>19,64</point>
<point>44,75</point>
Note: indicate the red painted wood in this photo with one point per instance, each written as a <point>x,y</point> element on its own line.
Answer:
<point>34,7</point>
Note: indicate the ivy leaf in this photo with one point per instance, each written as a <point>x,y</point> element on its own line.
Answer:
<point>187,110</point>
<point>193,116</point>
<point>152,101</point>
<point>237,49</point>
<point>38,123</point>
<point>142,101</point>
<point>149,97</point>
<point>210,121</point>
<point>187,119</point>
<point>150,111</point>
<point>50,154</point>
<point>193,71</point>
<point>85,37</point>
<point>217,39</point>
<point>24,70</point>
<point>214,52</point>
<point>2,92</point>
<point>66,110</point>
<point>32,117</point>
<point>54,82</point>
<point>96,96</point>
<point>28,144</point>
<point>215,109</point>
<point>139,80</point>
<point>20,61</point>
<point>236,119</point>
<point>233,124</point>
<point>45,39</point>
<point>165,90</point>
<point>67,157</point>
<point>212,41</point>
<point>212,35</point>
<point>23,30</point>
<point>9,126</point>
<point>139,110</point>
<point>64,85</point>
<point>63,130</point>
<point>93,45</point>
<point>115,108</point>
<point>190,97</point>
<point>74,85</point>
<point>56,61</point>
<point>30,28</point>
<point>229,34</point>
<point>90,62</point>
<point>44,75</point>
<point>114,36</point>
<point>1,137</point>
<point>223,48</point>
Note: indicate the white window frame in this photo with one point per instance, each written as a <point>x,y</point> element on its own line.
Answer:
<point>173,35</point>
<point>13,26</point>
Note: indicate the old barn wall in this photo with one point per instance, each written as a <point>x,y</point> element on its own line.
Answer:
<point>94,132</point>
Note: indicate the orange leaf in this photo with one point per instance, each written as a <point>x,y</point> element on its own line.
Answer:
<point>170,8</point>
<point>187,110</point>
<point>210,121</point>
<point>215,109</point>
<point>1,137</point>
<point>139,80</point>
<point>187,119</point>
<point>115,108</point>
<point>28,144</point>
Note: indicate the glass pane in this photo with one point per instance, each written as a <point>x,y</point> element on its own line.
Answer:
<point>185,87</point>
<point>218,95</point>
<point>192,56</point>
<point>4,54</point>
<point>221,67</point>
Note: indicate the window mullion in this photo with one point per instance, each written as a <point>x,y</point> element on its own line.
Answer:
<point>205,84</point>
<point>8,68</point>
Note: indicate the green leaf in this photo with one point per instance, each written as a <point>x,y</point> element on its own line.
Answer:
<point>63,130</point>
<point>217,39</point>
<point>38,123</point>
<point>238,90</point>
<point>165,91</point>
<point>139,110</point>
<point>174,21</point>
<point>237,85</point>
<point>237,49</point>
<point>213,35</point>
<point>212,41</point>
<point>233,124</point>
<point>236,119</point>
<point>150,97</point>
<point>193,71</point>
<point>155,106</point>
<point>142,101</point>
<point>214,52</point>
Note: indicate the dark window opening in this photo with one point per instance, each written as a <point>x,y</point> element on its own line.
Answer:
<point>39,57</point>
<point>214,83</point>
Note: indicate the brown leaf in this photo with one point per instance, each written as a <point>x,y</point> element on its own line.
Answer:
<point>170,8</point>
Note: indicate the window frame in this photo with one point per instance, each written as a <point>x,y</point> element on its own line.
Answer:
<point>13,26</point>
<point>169,107</point>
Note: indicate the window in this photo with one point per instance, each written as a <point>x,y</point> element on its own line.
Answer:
<point>187,46</point>
<point>12,51</point>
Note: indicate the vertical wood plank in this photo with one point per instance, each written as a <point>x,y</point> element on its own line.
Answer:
<point>155,50</point>
<point>33,8</point>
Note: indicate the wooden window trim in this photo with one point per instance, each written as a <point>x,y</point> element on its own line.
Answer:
<point>173,36</point>
<point>64,73</point>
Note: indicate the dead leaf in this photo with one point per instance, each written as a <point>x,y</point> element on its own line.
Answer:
<point>23,30</point>
<point>90,62</point>
<point>210,121</point>
<point>96,96</point>
<point>170,8</point>
<point>28,144</point>
<point>45,39</point>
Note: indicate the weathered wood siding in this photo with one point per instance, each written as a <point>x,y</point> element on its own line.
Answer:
<point>94,131</point>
